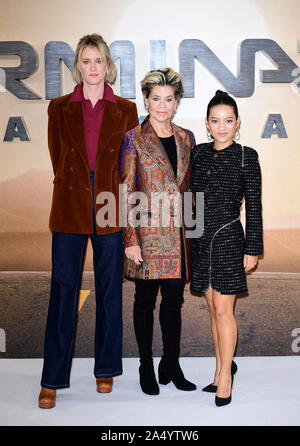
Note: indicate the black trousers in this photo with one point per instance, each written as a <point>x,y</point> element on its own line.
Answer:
<point>169,316</point>
<point>146,292</point>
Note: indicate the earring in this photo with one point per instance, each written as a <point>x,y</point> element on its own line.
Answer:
<point>209,137</point>
<point>237,135</point>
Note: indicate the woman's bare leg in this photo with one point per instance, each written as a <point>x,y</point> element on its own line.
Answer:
<point>226,329</point>
<point>209,299</point>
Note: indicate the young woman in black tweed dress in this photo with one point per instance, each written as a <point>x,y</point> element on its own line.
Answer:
<point>225,172</point>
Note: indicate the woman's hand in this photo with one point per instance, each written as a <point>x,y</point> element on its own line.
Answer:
<point>134,253</point>
<point>250,262</point>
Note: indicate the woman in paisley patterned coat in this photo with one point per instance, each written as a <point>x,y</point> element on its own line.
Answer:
<point>225,172</point>
<point>155,160</point>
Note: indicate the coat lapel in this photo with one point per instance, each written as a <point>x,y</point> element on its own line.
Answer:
<point>110,125</point>
<point>151,144</point>
<point>183,145</point>
<point>74,124</point>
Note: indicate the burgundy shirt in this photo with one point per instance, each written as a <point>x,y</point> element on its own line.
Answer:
<point>92,119</point>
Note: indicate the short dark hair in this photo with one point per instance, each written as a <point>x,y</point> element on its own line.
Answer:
<point>220,98</point>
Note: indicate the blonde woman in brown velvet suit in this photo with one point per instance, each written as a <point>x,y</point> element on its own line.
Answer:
<point>84,135</point>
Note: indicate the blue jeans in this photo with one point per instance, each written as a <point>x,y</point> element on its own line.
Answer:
<point>68,251</point>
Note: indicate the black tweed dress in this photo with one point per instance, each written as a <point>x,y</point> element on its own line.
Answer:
<point>226,177</point>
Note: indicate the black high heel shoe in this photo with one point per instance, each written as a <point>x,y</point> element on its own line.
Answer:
<point>212,388</point>
<point>224,401</point>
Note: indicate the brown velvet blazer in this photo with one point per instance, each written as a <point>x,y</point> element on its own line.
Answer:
<point>72,209</point>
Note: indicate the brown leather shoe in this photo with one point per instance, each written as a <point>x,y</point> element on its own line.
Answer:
<point>47,398</point>
<point>104,385</point>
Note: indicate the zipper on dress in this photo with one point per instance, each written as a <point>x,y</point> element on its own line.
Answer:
<point>222,227</point>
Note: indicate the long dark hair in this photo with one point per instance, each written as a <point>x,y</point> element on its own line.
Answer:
<point>221,97</point>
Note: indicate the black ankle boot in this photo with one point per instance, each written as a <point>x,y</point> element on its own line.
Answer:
<point>168,373</point>
<point>147,378</point>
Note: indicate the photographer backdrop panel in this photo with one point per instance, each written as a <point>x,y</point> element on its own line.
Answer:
<point>219,32</point>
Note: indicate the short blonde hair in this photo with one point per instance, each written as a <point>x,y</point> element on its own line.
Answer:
<point>98,42</point>
<point>167,76</point>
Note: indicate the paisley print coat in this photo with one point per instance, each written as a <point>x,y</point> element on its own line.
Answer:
<point>145,167</point>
